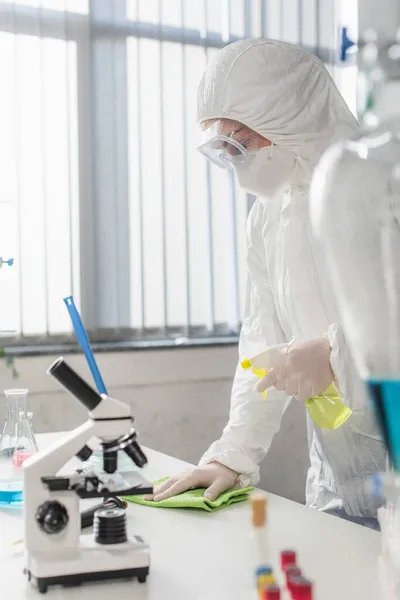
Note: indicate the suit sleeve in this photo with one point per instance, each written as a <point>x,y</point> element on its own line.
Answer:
<point>253,421</point>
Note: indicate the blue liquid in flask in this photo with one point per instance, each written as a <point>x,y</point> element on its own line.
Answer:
<point>385,398</point>
<point>11,492</point>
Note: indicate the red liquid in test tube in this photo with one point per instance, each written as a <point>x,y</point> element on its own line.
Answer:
<point>288,557</point>
<point>272,592</point>
<point>301,588</point>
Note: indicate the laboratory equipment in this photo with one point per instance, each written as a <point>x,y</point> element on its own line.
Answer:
<point>17,444</point>
<point>326,409</point>
<point>87,516</point>
<point>11,492</point>
<point>370,79</point>
<point>16,400</point>
<point>288,557</point>
<point>301,589</point>
<point>259,504</point>
<point>378,76</point>
<point>355,216</point>
<point>291,571</point>
<point>56,553</point>
<point>378,81</point>
<point>264,574</point>
<point>272,592</point>
<point>96,459</point>
<point>26,444</point>
<point>264,578</point>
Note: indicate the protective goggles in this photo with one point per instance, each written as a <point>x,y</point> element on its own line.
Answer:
<point>224,152</point>
<point>227,143</point>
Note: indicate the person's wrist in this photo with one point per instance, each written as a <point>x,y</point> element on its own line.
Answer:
<point>216,462</point>
<point>228,470</point>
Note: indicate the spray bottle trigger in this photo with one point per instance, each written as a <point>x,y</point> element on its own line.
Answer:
<point>246,364</point>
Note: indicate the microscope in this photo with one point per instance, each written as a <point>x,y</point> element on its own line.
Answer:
<point>56,553</point>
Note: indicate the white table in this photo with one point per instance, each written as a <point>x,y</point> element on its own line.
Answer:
<point>202,556</point>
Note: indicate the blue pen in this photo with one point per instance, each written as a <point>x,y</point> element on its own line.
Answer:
<point>84,343</point>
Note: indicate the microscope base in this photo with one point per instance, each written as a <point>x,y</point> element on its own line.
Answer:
<point>43,583</point>
<point>91,562</point>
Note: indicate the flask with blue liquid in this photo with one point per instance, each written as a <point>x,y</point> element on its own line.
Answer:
<point>17,444</point>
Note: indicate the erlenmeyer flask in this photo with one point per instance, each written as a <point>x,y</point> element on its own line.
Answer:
<point>355,216</point>
<point>11,476</point>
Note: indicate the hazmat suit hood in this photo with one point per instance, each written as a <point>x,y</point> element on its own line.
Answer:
<point>280,91</point>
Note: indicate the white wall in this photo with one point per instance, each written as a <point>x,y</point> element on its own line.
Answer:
<point>180,399</point>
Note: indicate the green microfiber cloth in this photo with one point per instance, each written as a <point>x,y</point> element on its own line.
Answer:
<point>195,499</point>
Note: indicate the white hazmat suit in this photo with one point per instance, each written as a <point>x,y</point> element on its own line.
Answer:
<point>287,96</point>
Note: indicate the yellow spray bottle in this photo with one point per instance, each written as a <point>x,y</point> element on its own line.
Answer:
<point>326,410</point>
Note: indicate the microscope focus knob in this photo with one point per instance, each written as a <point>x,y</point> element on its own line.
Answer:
<point>52,517</point>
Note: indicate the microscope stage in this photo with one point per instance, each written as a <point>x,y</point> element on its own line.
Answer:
<point>90,562</point>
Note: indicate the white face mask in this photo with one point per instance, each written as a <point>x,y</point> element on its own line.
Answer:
<point>268,170</point>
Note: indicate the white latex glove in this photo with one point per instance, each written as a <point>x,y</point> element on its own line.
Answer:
<point>215,477</point>
<point>303,370</point>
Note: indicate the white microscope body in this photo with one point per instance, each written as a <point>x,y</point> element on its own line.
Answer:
<point>56,552</point>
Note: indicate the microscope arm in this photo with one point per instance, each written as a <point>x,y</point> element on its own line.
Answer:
<point>53,458</point>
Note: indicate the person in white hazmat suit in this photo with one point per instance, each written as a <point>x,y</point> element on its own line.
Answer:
<point>269,110</point>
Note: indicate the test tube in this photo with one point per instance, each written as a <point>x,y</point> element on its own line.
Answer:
<point>272,592</point>
<point>301,588</point>
<point>259,520</point>
<point>288,557</point>
<point>291,572</point>
<point>265,577</point>
<point>263,570</point>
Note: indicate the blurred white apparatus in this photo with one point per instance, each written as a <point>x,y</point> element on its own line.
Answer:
<point>378,80</point>
<point>355,217</point>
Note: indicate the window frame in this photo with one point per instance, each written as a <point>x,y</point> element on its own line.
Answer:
<point>101,39</point>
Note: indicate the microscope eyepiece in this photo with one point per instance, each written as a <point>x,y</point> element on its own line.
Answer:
<point>74,383</point>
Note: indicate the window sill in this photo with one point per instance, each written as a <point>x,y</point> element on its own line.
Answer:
<point>42,349</point>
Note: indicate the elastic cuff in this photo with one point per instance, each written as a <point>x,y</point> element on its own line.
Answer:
<point>244,481</point>
<point>248,474</point>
